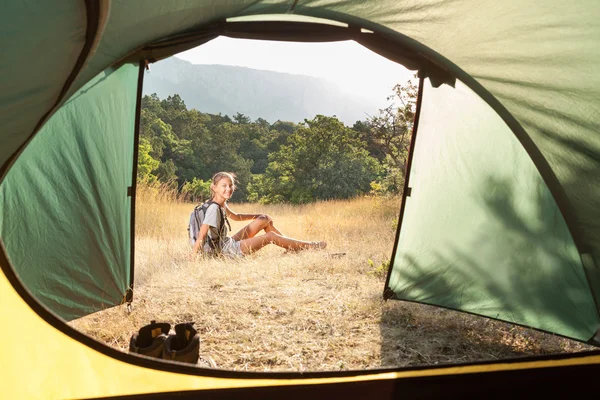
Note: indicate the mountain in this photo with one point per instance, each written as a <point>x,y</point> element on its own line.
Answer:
<point>255,93</point>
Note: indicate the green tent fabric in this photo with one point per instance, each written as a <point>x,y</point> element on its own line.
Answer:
<point>53,33</point>
<point>481,231</point>
<point>65,206</point>
<point>534,63</point>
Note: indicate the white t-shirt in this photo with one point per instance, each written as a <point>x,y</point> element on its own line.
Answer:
<point>212,218</point>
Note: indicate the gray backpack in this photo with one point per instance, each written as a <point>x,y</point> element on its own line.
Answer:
<point>196,218</point>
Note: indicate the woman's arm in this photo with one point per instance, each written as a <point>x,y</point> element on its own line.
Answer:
<point>242,217</point>
<point>198,249</point>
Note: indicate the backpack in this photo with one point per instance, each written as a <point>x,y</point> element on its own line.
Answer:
<point>196,219</point>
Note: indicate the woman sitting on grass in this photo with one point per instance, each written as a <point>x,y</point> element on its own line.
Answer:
<point>212,237</point>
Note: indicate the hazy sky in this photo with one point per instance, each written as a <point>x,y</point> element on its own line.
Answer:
<point>353,67</point>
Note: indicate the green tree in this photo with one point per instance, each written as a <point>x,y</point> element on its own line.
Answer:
<point>146,164</point>
<point>256,144</point>
<point>158,133</point>
<point>390,133</point>
<point>323,160</point>
<point>173,103</point>
<point>167,171</point>
<point>223,154</point>
<point>151,103</point>
<point>241,119</point>
<point>197,190</point>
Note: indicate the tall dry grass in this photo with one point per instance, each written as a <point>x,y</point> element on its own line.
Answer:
<point>275,311</point>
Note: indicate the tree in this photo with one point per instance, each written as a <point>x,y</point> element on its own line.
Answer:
<point>283,162</point>
<point>223,154</point>
<point>323,160</point>
<point>241,119</point>
<point>173,103</point>
<point>151,103</point>
<point>390,133</point>
<point>146,164</point>
<point>197,190</point>
<point>365,132</point>
<point>256,144</point>
<point>166,171</point>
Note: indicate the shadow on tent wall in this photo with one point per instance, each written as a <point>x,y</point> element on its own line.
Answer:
<point>416,334</point>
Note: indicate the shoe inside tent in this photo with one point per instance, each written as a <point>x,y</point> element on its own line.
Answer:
<point>500,215</point>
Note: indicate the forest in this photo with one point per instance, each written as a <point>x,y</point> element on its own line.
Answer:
<point>280,162</point>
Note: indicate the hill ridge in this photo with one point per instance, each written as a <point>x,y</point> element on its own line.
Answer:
<point>257,93</point>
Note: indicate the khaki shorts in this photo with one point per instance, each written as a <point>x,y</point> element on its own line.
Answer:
<point>231,248</point>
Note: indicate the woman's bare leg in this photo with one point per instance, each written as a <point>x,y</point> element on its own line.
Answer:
<point>250,230</point>
<point>253,244</point>
<point>271,228</point>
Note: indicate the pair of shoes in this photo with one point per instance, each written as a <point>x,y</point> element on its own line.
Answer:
<point>184,346</point>
<point>150,339</point>
<point>154,340</point>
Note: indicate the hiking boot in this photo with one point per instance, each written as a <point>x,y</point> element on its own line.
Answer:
<point>150,339</point>
<point>184,345</point>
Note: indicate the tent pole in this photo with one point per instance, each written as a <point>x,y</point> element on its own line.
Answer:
<point>132,189</point>
<point>387,292</point>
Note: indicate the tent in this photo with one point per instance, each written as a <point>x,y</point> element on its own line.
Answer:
<point>500,215</point>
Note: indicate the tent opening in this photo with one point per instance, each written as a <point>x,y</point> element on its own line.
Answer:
<point>324,174</point>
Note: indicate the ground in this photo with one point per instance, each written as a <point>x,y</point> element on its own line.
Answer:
<point>276,311</point>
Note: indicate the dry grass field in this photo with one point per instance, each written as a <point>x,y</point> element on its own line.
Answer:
<point>308,311</point>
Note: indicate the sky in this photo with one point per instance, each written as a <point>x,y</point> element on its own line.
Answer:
<point>353,67</point>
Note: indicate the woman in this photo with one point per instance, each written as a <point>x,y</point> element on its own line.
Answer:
<point>245,241</point>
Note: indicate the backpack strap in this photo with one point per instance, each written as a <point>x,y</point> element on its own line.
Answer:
<point>224,220</point>
<point>215,243</point>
